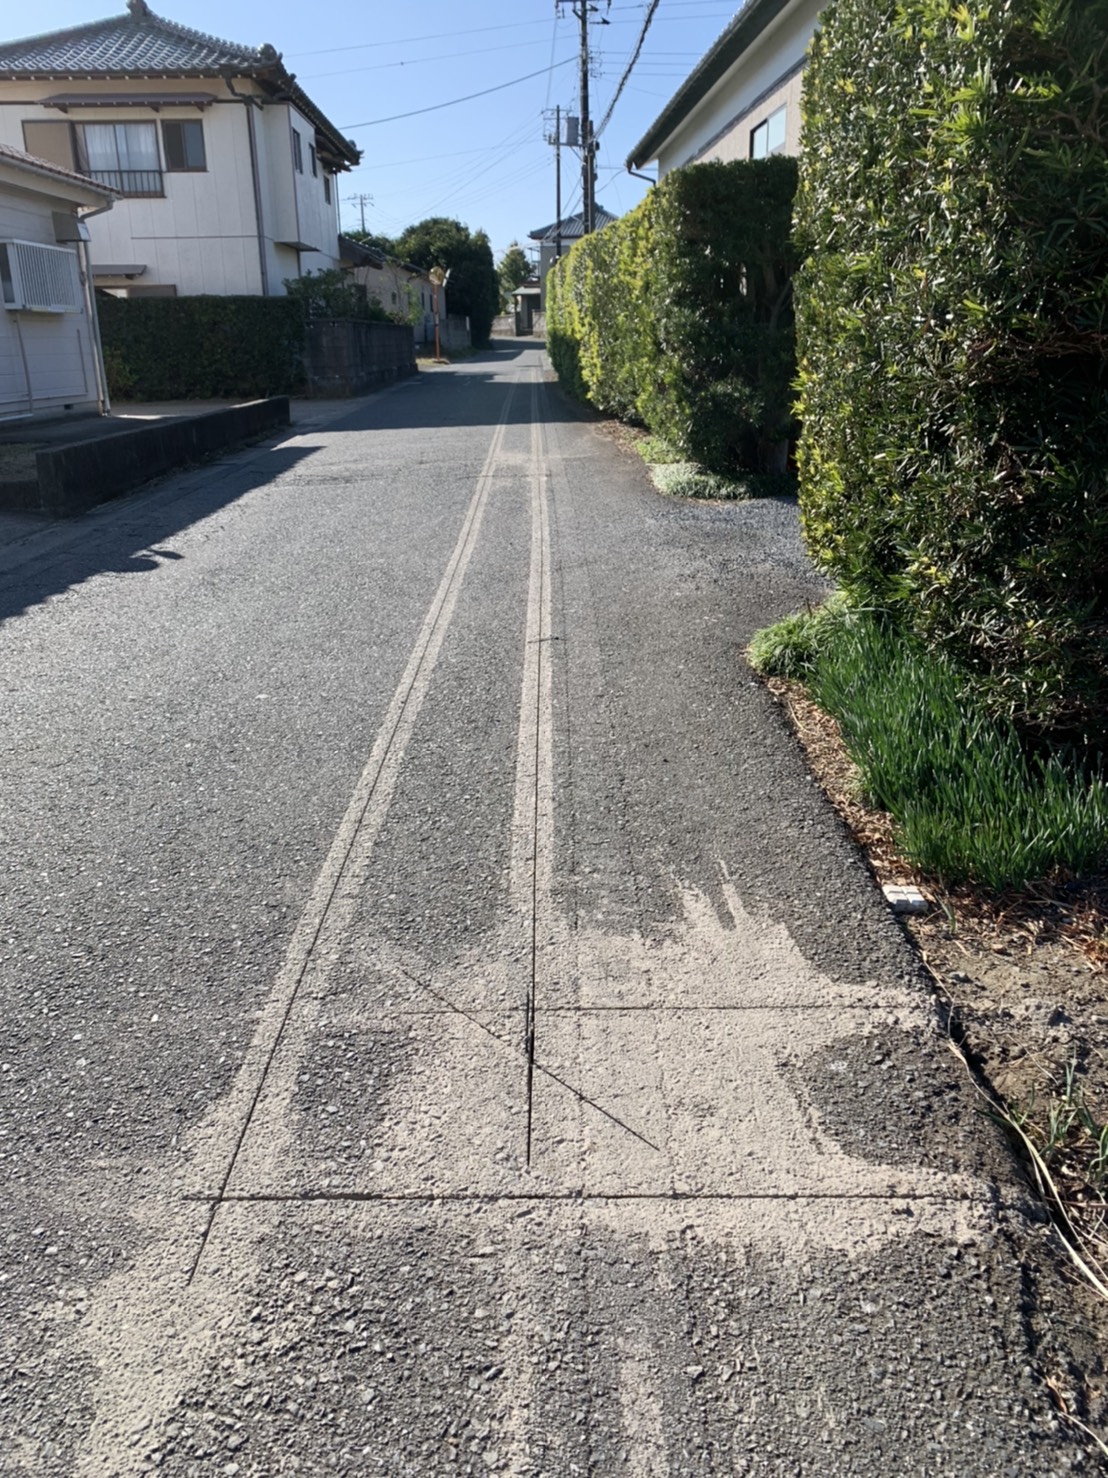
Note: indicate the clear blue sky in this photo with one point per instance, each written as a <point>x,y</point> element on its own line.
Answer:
<point>483,162</point>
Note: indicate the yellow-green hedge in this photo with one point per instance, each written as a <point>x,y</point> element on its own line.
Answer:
<point>679,315</point>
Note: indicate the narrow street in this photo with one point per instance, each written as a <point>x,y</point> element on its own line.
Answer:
<point>443,1028</point>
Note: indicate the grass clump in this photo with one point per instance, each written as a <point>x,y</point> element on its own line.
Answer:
<point>969,803</point>
<point>671,472</point>
<point>655,450</point>
<point>689,480</point>
<point>1067,1133</point>
<point>790,648</point>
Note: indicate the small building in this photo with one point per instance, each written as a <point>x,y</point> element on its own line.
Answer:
<point>225,169</point>
<point>402,289</point>
<point>527,300</point>
<point>742,100</point>
<point>50,359</point>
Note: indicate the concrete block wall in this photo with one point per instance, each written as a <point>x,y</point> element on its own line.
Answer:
<point>348,356</point>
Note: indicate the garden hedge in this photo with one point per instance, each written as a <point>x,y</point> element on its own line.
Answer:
<point>952,322</point>
<point>679,315</point>
<point>204,347</point>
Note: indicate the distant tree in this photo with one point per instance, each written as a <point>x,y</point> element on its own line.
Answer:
<point>383,244</point>
<point>513,270</point>
<point>330,293</point>
<point>474,288</point>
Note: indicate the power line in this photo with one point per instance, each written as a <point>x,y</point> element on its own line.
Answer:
<point>435,107</point>
<point>440,56</point>
<point>627,70</point>
<point>470,31</point>
<point>410,40</point>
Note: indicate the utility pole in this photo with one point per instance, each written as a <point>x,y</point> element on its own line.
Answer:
<point>582,9</point>
<point>558,183</point>
<point>561,129</point>
<point>363,201</point>
<point>588,208</point>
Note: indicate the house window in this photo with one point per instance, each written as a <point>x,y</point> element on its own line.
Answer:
<point>312,161</point>
<point>769,136</point>
<point>122,155</point>
<point>51,140</point>
<point>7,282</point>
<point>297,153</point>
<point>183,146</point>
<point>327,187</point>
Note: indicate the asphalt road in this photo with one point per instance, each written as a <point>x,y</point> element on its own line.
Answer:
<point>444,1029</point>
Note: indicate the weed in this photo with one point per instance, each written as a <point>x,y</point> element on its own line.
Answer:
<point>790,647</point>
<point>967,800</point>
<point>1068,1136</point>
<point>655,450</point>
<point>688,480</point>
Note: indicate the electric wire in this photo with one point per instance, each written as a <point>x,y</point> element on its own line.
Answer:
<point>453,102</point>
<point>603,124</point>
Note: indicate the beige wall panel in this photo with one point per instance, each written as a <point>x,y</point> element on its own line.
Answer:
<point>780,48</point>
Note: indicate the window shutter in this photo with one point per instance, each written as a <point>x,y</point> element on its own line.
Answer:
<point>50,141</point>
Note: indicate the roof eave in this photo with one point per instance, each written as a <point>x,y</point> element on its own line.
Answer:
<point>746,27</point>
<point>282,83</point>
<point>285,87</point>
<point>65,186</point>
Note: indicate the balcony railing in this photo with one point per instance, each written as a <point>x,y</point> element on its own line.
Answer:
<point>130,181</point>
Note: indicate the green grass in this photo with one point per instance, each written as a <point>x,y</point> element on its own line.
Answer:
<point>655,449</point>
<point>969,803</point>
<point>791,647</point>
<point>673,474</point>
<point>688,480</point>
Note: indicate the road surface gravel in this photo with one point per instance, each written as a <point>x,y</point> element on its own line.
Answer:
<point>444,1028</point>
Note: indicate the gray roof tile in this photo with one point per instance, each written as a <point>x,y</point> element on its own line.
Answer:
<point>139,42</point>
<point>142,44</point>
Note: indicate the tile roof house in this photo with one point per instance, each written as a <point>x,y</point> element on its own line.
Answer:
<point>742,99</point>
<point>557,238</point>
<point>224,166</point>
<point>50,361</point>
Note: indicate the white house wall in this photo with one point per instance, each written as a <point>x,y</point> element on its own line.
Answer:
<point>202,236</point>
<point>274,145</point>
<point>57,351</point>
<point>767,74</point>
<point>319,221</point>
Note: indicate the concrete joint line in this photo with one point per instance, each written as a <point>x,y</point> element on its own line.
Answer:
<point>533,1065</point>
<point>337,889</point>
<point>533,810</point>
<point>495,1198</point>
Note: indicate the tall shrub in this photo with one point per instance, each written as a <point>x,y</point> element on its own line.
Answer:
<point>680,314</point>
<point>474,288</point>
<point>952,322</point>
<point>721,382</point>
<point>203,347</point>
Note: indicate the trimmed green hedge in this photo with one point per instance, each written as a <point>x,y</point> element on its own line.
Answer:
<point>680,314</point>
<point>952,320</point>
<point>202,348</point>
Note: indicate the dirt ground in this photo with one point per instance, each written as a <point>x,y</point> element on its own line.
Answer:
<point>1025,972</point>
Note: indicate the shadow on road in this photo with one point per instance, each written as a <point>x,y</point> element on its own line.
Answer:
<point>123,538</point>
<point>460,394</point>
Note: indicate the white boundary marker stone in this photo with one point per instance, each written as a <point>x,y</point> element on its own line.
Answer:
<point>903,898</point>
